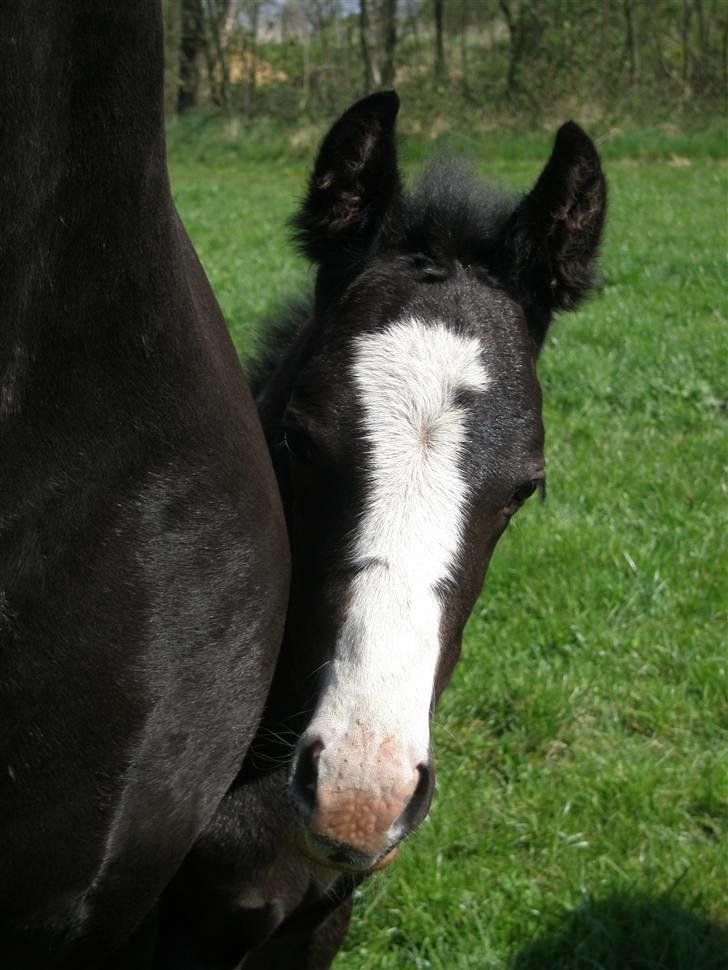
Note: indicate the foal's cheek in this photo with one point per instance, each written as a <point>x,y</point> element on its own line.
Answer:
<point>482,536</point>
<point>449,656</point>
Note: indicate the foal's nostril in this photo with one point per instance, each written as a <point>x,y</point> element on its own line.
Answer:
<point>305,777</point>
<point>419,804</point>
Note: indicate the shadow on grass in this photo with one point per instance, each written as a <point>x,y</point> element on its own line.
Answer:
<point>625,932</point>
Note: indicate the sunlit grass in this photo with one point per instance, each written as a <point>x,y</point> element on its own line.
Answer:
<point>582,746</point>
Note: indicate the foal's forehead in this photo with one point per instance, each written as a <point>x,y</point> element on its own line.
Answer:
<point>418,363</point>
<point>432,392</point>
<point>422,345</point>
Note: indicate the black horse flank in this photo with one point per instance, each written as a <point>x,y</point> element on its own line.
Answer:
<point>403,414</point>
<point>143,554</point>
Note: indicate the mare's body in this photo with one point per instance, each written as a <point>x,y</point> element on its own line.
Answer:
<point>143,556</point>
<point>403,414</point>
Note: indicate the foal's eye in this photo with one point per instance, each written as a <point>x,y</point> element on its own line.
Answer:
<point>298,443</point>
<point>522,493</point>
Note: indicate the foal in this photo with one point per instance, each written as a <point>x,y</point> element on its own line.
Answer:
<point>403,414</point>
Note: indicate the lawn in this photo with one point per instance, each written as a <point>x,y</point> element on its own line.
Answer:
<point>581,819</point>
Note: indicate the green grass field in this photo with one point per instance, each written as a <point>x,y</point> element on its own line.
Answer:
<point>581,817</point>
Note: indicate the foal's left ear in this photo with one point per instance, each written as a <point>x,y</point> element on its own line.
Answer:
<point>552,240</point>
<point>355,182</point>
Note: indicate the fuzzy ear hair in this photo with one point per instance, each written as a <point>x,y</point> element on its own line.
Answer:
<point>552,239</point>
<point>354,184</point>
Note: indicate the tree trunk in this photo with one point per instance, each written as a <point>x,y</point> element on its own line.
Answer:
<point>703,29</point>
<point>389,29</point>
<point>525,27</point>
<point>216,52</point>
<point>306,88</point>
<point>364,41</point>
<point>192,43</point>
<point>513,49</point>
<point>630,41</point>
<point>254,10</point>
<point>701,70</point>
<point>464,44</point>
<point>438,10</point>
<point>687,10</point>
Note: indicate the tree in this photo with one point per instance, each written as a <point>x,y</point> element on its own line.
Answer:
<point>192,43</point>
<point>523,34</point>
<point>218,20</point>
<point>252,9</point>
<point>389,30</point>
<point>630,40</point>
<point>439,14</point>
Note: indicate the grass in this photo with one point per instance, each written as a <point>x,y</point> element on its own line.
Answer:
<point>216,141</point>
<point>582,811</point>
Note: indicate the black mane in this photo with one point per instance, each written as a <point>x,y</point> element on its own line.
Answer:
<point>449,214</point>
<point>276,335</point>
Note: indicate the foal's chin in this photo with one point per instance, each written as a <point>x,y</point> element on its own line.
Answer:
<point>344,860</point>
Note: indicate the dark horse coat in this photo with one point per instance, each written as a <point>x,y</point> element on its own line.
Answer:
<point>143,557</point>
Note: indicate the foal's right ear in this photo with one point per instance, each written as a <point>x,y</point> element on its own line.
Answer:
<point>551,241</point>
<point>354,184</point>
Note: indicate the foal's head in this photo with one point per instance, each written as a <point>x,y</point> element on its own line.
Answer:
<point>411,413</point>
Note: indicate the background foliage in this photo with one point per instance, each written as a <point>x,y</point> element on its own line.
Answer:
<point>482,62</point>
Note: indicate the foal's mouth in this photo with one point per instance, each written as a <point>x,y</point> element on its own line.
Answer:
<point>344,860</point>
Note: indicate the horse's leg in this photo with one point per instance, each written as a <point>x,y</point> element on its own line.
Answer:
<point>312,949</point>
<point>138,951</point>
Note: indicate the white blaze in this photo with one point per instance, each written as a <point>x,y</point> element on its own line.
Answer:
<point>379,685</point>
